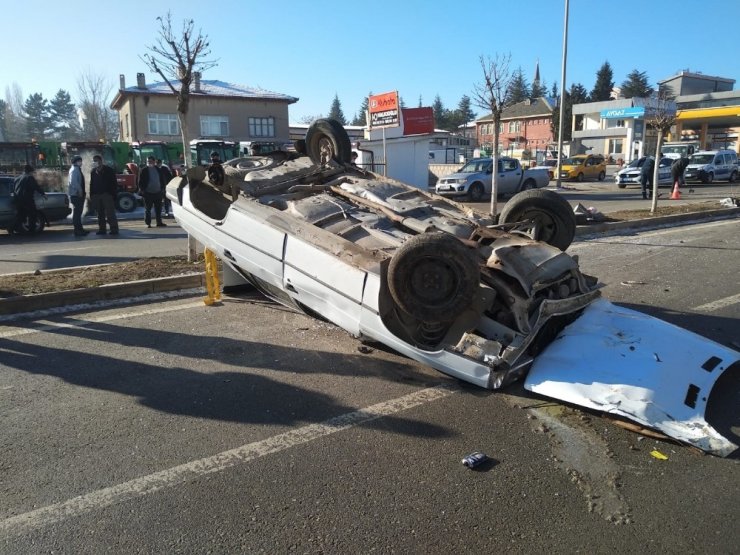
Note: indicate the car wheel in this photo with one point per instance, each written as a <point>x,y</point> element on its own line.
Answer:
<point>125,202</point>
<point>602,176</point>
<point>733,177</point>
<point>433,277</point>
<point>475,192</point>
<point>327,140</point>
<point>528,184</point>
<point>580,177</point>
<point>545,216</point>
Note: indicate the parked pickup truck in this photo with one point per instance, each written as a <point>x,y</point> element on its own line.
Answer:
<point>473,180</point>
<point>52,208</point>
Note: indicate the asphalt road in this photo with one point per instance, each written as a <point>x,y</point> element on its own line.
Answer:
<point>176,427</point>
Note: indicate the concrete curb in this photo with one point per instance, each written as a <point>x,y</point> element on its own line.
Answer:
<point>43,301</point>
<point>655,223</point>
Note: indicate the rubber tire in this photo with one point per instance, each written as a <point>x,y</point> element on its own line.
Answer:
<point>125,203</point>
<point>476,192</point>
<point>733,177</point>
<point>580,178</point>
<point>528,185</point>
<point>622,185</point>
<point>433,277</point>
<point>326,139</point>
<point>550,209</point>
<point>602,176</point>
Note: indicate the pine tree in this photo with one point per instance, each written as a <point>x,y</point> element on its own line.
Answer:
<point>636,85</point>
<point>538,89</point>
<point>576,95</point>
<point>420,104</point>
<point>464,107</point>
<point>440,114</point>
<point>3,120</point>
<point>361,117</point>
<point>555,92</point>
<point>335,112</point>
<point>519,89</point>
<point>38,124</point>
<point>604,84</point>
<point>62,115</point>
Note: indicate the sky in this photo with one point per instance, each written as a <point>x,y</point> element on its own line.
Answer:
<point>316,49</point>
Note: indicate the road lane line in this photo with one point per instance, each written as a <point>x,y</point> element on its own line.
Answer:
<point>55,326</point>
<point>145,485</point>
<point>719,303</point>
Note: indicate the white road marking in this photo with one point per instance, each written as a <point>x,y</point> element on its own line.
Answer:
<point>145,485</point>
<point>53,251</point>
<point>54,326</point>
<point>719,303</point>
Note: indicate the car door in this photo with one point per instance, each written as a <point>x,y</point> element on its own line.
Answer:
<point>664,171</point>
<point>7,208</point>
<point>509,176</point>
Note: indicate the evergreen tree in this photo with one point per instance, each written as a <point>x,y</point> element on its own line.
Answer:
<point>63,115</point>
<point>335,112</point>
<point>401,103</point>
<point>440,114</point>
<point>3,120</point>
<point>576,95</point>
<point>361,117</point>
<point>604,84</point>
<point>555,92</point>
<point>636,85</point>
<point>519,89</point>
<point>465,110</point>
<point>420,104</point>
<point>38,123</point>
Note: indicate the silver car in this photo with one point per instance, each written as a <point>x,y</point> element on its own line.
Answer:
<point>631,174</point>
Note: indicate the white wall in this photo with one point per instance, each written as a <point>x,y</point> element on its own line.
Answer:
<point>408,159</point>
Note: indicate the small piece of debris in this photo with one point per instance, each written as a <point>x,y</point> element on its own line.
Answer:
<point>364,349</point>
<point>631,282</point>
<point>658,455</point>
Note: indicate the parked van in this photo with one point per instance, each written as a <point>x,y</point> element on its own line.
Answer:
<point>708,165</point>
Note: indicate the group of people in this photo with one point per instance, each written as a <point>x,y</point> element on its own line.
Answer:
<point>678,167</point>
<point>153,179</point>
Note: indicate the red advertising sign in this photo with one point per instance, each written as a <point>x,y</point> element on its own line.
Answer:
<point>384,110</point>
<point>417,121</point>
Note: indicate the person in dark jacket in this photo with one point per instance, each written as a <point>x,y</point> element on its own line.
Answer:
<point>167,175</point>
<point>646,177</point>
<point>103,191</point>
<point>215,171</point>
<point>25,188</point>
<point>151,185</point>
<point>677,169</point>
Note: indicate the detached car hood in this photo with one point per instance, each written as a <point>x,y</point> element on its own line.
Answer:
<point>623,362</point>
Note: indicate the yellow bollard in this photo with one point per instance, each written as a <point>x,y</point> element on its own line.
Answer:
<point>213,287</point>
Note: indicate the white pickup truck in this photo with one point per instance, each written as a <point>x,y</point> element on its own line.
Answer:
<point>473,180</point>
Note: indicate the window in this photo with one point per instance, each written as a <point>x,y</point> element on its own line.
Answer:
<point>610,123</point>
<point>261,127</point>
<point>214,126</point>
<point>514,126</point>
<point>616,146</point>
<point>163,124</point>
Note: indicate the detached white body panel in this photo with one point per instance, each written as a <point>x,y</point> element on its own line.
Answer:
<point>623,362</point>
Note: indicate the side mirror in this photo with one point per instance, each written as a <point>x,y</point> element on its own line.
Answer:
<point>489,170</point>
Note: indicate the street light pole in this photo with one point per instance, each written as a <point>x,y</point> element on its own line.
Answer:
<point>562,95</point>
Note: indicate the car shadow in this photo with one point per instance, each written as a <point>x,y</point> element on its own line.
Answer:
<point>244,395</point>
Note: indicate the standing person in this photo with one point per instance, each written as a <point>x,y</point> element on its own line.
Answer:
<point>215,171</point>
<point>25,188</point>
<point>646,177</point>
<point>103,191</point>
<point>151,184</point>
<point>76,192</point>
<point>167,175</point>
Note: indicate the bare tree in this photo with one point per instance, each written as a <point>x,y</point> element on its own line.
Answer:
<point>493,94</point>
<point>176,58</point>
<point>14,114</point>
<point>99,121</point>
<point>660,115</point>
<point>308,120</point>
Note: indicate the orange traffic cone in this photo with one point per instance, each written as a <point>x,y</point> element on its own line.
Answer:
<point>676,194</point>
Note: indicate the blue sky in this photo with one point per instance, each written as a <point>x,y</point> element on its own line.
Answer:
<point>316,49</point>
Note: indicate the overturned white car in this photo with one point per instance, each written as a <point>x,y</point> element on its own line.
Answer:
<point>391,263</point>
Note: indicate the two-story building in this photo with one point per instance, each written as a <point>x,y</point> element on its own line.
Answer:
<point>148,111</point>
<point>526,125</point>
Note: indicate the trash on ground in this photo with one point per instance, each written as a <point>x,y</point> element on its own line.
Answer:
<point>658,455</point>
<point>730,202</point>
<point>475,459</point>
<point>587,215</point>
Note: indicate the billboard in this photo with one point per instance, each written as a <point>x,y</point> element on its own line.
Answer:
<point>384,110</point>
<point>417,120</point>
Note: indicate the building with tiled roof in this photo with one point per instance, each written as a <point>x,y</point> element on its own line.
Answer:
<point>148,111</point>
<point>525,125</point>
